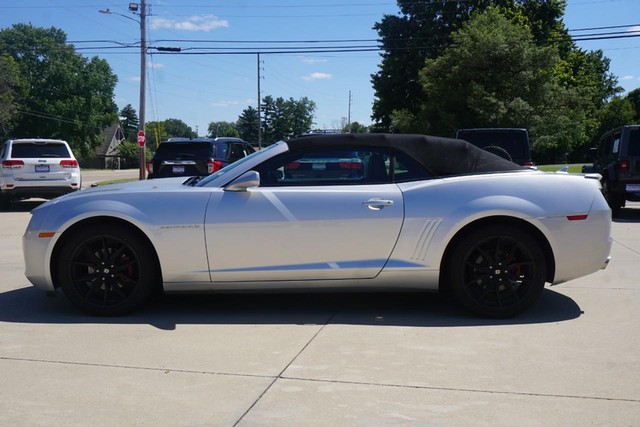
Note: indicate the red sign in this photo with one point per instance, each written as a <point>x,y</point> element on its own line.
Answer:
<point>141,138</point>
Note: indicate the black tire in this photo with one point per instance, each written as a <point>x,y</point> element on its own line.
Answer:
<point>498,151</point>
<point>614,201</point>
<point>107,270</point>
<point>497,271</point>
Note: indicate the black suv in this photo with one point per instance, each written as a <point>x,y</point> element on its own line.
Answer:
<point>509,143</point>
<point>617,159</point>
<point>195,156</point>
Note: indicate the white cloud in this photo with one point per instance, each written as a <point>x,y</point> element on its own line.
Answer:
<point>628,78</point>
<point>317,76</point>
<point>232,103</point>
<point>193,23</point>
<point>135,79</point>
<point>308,60</point>
<point>155,65</point>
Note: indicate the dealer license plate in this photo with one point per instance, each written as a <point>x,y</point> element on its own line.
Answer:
<point>633,188</point>
<point>178,169</point>
<point>42,168</point>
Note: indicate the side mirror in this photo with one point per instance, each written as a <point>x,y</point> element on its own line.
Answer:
<point>245,181</point>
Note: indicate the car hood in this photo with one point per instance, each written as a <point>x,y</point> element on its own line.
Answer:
<point>145,186</point>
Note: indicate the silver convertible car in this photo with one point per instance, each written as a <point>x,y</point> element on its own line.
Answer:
<point>357,212</point>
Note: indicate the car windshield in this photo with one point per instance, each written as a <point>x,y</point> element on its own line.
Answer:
<point>31,150</point>
<point>232,166</point>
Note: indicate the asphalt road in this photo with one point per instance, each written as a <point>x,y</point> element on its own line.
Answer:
<point>323,360</point>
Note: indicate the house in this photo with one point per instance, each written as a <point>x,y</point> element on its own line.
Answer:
<point>106,154</point>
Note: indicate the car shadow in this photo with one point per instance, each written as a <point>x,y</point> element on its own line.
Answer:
<point>23,205</point>
<point>29,305</point>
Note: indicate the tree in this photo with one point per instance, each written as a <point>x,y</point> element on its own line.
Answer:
<point>129,152</point>
<point>634,98</point>
<point>9,88</point>
<point>283,119</point>
<point>165,129</point>
<point>217,129</point>
<point>64,95</point>
<point>423,31</point>
<point>496,75</point>
<point>129,122</point>
<point>176,128</point>
<point>247,124</point>
<point>493,76</point>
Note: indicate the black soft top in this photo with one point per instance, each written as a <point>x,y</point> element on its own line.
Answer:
<point>442,156</point>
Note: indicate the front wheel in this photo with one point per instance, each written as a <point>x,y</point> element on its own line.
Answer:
<point>497,271</point>
<point>107,270</point>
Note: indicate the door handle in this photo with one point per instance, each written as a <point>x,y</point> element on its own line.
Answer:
<point>377,204</point>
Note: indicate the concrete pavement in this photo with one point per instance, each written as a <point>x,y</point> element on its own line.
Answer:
<point>319,360</point>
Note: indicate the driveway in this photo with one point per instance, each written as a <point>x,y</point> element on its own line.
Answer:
<point>326,359</point>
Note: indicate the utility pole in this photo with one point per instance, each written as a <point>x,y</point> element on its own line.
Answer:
<point>259,109</point>
<point>349,113</point>
<point>139,9</point>
<point>143,79</point>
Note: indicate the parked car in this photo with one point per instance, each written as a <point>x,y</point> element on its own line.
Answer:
<point>195,156</point>
<point>43,168</point>
<point>509,143</point>
<point>617,160</point>
<point>325,165</point>
<point>427,213</point>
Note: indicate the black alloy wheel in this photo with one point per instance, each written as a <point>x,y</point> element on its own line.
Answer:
<point>497,271</point>
<point>108,271</point>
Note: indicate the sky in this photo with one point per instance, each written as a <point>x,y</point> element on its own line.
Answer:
<point>202,88</point>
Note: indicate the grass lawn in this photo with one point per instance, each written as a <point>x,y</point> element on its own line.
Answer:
<point>574,168</point>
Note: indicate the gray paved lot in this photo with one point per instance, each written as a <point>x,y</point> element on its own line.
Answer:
<point>323,360</point>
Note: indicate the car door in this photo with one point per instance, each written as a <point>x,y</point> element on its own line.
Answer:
<point>311,227</point>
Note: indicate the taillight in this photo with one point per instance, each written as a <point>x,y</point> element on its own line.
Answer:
<point>623,166</point>
<point>149,167</point>
<point>350,165</point>
<point>292,165</point>
<point>527,164</point>
<point>213,165</point>
<point>12,164</point>
<point>69,163</point>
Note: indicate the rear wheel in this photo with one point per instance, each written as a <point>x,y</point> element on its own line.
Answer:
<point>614,200</point>
<point>497,271</point>
<point>107,270</point>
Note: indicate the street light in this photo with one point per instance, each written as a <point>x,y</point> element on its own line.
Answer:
<point>139,9</point>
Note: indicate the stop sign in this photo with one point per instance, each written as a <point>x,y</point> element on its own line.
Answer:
<point>141,138</point>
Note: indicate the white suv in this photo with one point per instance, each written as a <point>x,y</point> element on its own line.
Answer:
<point>44,168</point>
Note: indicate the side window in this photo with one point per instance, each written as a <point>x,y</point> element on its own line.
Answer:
<point>616,144</point>
<point>3,150</point>
<point>236,152</point>
<point>340,167</point>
